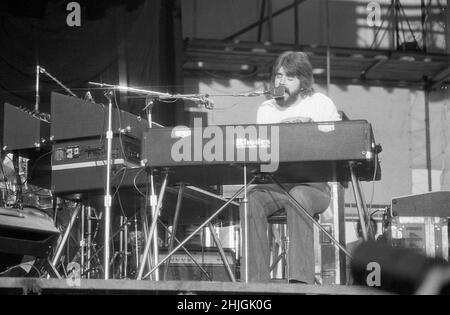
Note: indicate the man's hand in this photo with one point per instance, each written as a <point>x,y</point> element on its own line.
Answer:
<point>297,120</point>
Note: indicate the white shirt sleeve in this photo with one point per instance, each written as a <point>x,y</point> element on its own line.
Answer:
<point>326,109</point>
<point>261,115</point>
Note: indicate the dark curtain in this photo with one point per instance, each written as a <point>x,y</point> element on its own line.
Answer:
<point>119,42</point>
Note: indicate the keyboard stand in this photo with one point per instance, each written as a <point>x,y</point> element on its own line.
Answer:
<point>363,213</point>
<point>243,189</point>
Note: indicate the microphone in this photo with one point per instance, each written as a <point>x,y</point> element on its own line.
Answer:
<point>401,270</point>
<point>278,92</point>
<point>88,97</point>
<point>207,102</point>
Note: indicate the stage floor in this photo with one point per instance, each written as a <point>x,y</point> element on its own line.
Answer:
<point>131,287</point>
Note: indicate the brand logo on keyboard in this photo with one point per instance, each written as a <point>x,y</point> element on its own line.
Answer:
<point>243,143</point>
<point>249,144</point>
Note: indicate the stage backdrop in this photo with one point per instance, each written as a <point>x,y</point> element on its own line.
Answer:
<point>128,42</point>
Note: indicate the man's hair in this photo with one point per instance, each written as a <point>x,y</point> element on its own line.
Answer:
<point>297,64</point>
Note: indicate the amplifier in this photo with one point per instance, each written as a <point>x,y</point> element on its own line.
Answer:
<point>79,165</point>
<point>420,222</point>
<point>25,130</point>
<point>74,118</point>
<point>425,235</point>
<point>182,267</point>
<point>431,204</point>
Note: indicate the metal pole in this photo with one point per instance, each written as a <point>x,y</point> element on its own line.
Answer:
<point>245,232</point>
<point>424,27</point>
<point>261,17</point>
<point>153,230</point>
<point>83,239</point>
<point>154,201</point>
<point>153,234</point>
<point>296,24</point>
<point>328,48</point>
<point>222,253</point>
<point>269,23</point>
<point>174,226</point>
<point>396,21</point>
<point>136,242</point>
<point>121,246</point>
<point>108,201</point>
<point>125,260</point>
<point>66,236</point>
<point>360,204</point>
<point>428,137</point>
<point>89,241</point>
<point>36,105</point>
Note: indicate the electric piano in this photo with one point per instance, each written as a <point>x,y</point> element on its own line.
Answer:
<point>293,153</point>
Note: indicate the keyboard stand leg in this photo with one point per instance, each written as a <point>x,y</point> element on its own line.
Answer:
<point>363,213</point>
<point>302,211</point>
<point>174,226</point>
<point>245,232</point>
<point>153,231</point>
<point>66,235</point>
<point>222,253</point>
<point>200,227</point>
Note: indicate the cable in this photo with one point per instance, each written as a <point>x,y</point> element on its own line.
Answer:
<point>134,183</point>
<point>373,190</point>
<point>35,164</point>
<point>20,265</point>
<point>124,170</point>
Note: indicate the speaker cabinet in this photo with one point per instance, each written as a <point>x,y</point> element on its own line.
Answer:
<point>182,267</point>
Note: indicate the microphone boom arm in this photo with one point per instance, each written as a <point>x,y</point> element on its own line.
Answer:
<point>199,98</point>
<point>42,70</point>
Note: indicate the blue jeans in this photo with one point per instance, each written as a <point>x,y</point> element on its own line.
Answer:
<point>263,201</point>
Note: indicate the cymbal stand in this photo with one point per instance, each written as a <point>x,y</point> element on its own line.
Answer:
<point>215,214</point>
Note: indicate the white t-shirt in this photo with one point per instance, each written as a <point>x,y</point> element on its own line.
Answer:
<point>318,107</point>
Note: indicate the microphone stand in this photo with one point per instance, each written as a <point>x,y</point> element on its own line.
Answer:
<point>155,202</point>
<point>153,232</point>
<point>108,201</point>
<point>42,70</point>
<point>36,105</point>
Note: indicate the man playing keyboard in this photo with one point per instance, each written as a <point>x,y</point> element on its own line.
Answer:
<point>299,104</point>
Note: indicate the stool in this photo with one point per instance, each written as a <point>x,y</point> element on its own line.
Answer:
<point>279,244</point>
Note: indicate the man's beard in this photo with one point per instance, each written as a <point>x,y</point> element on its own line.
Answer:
<point>289,98</point>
